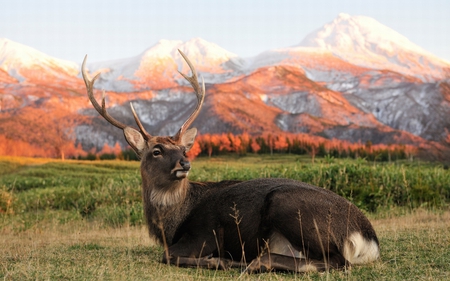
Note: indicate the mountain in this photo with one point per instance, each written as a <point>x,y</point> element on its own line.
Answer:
<point>272,99</point>
<point>157,67</point>
<point>400,101</point>
<point>28,65</point>
<point>339,83</point>
<point>365,42</point>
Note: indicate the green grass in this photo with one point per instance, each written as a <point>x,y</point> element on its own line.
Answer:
<point>83,220</point>
<point>370,186</point>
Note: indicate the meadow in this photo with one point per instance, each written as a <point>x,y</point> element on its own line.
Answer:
<point>82,220</point>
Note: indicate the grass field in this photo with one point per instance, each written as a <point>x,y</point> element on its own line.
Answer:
<point>76,220</point>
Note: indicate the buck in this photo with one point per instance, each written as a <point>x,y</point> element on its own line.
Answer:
<point>259,225</point>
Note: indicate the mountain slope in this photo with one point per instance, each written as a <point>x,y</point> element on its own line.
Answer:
<point>364,41</point>
<point>29,65</point>
<point>269,100</point>
<point>157,67</point>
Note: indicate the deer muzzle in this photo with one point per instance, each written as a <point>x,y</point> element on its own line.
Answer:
<point>182,169</point>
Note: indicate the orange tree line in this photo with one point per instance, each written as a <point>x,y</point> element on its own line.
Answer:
<point>301,144</point>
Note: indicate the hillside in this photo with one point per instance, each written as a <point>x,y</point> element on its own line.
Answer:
<point>354,80</point>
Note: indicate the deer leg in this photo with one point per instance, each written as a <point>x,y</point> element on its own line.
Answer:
<point>203,262</point>
<point>190,252</point>
<point>268,262</point>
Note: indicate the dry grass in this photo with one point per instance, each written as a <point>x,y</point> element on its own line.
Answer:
<point>48,230</point>
<point>26,160</point>
<point>417,220</point>
<point>414,247</point>
<point>72,251</point>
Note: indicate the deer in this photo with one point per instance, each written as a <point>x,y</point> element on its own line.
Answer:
<point>259,225</point>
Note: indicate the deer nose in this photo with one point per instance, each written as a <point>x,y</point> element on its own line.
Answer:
<point>186,165</point>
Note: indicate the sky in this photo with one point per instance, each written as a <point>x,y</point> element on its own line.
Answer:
<point>112,29</point>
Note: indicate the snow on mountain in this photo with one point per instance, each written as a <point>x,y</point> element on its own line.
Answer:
<point>27,64</point>
<point>157,67</point>
<point>318,64</point>
<point>353,79</point>
<point>364,41</point>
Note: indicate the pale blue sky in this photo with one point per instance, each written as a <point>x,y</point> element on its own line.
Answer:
<point>112,29</point>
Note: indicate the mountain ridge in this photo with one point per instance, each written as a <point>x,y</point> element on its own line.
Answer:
<point>298,89</point>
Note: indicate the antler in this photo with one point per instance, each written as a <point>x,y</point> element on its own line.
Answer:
<point>193,80</point>
<point>102,109</point>
<point>200,93</point>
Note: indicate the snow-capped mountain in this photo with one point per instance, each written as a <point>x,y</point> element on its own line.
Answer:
<point>364,41</point>
<point>354,79</point>
<point>157,67</point>
<point>27,64</point>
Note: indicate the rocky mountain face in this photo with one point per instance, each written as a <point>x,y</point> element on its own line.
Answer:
<point>354,79</point>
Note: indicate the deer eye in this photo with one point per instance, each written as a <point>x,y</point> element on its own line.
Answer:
<point>156,152</point>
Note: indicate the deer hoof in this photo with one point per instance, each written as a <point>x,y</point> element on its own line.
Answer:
<point>256,266</point>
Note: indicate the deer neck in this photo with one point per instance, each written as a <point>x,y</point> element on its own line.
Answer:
<point>165,208</point>
<point>166,196</point>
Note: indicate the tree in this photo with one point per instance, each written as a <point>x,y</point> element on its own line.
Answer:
<point>245,143</point>
<point>225,143</point>
<point>270,143</point>
<point>206,143</point>
<point>255,147</point>
<point>280,144</point>
<point>194,151</point>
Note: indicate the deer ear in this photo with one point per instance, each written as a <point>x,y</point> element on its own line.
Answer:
<point>187,139</point>
<point>135,140</point>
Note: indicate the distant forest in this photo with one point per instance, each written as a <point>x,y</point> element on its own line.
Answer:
<point>213,145</point>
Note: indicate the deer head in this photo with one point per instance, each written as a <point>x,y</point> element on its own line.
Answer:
<point>163,159</point>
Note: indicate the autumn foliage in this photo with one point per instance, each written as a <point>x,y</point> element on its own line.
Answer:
<point>220,144</point>
<point>33,132</point>
<point>210,145</point>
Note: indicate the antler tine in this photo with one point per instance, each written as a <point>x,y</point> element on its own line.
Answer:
<point>138,122</point>
<point>199,91</point>
<point>90,89</point>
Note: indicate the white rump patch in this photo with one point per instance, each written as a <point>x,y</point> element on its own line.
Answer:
<point>358,250</point>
